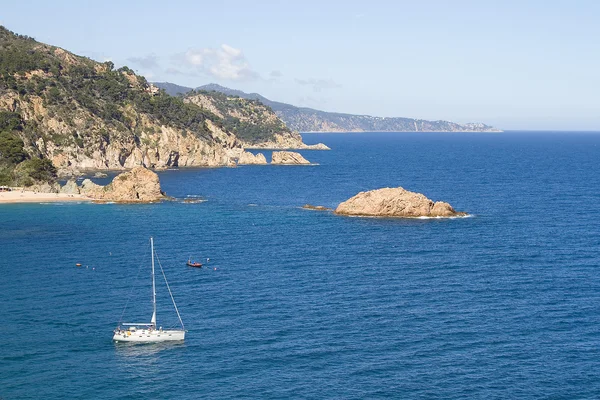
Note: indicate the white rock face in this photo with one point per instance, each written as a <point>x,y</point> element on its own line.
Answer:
<point>247,158</point>
<point>395,202</point>
<point>288,158</point>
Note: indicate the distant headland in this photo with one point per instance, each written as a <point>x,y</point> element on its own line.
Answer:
<point>303,119</point>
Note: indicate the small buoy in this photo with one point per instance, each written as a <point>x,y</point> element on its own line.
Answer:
<point>78,265</point>
<point>215,269</point>
<point>93,269</point>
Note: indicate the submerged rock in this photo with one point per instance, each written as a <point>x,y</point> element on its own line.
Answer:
<point>316,208</point>
<point>193,200</point>
<point>288,158</point>
<point>395,202</point>
<point>247,158</point>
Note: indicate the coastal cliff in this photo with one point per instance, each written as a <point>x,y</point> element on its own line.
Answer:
<point>76,114</point>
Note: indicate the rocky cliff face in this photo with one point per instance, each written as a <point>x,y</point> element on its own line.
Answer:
<point>140,185</point>
<point>89,142</point>
<point>395,202</point>
<point>81,114</point>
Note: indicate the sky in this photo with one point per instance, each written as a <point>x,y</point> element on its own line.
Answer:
<point>531,65</point>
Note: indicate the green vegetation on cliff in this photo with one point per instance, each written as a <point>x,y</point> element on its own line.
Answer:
<point>250,120</point>
<point>79,113</point>
<point>66,81</point>
<point>16,167</point>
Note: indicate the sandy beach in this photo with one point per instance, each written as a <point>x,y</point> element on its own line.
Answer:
<point>26,196</point>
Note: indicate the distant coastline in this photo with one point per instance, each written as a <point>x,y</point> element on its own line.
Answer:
<point>304,119</point>
<point>495,131</point>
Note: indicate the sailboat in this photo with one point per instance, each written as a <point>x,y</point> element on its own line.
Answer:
<point>146,332</point>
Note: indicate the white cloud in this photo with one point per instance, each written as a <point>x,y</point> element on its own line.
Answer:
<point>225,62</point>
<point>149,61</point>
<point>319,84</point>
<point>275,74</point>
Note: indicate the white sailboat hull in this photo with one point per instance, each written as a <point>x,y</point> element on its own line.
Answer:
<point>148,336</point>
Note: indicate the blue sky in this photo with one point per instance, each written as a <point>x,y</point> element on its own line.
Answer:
<point>512,64</point>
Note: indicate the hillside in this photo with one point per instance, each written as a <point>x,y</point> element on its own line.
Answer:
<point>304,119</point>
<point>252,122</point>
<point>66,112</point>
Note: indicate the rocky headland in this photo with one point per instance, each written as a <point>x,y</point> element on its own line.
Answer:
<point>288,158</point>
<point>395,202</point>
<point>64,114</point>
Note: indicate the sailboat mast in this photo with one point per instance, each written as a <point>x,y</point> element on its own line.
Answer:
<point>153,285</point>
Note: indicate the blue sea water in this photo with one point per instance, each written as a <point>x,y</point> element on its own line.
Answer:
<point>305,304</point>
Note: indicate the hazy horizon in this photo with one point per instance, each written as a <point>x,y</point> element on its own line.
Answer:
<point>515,66</point>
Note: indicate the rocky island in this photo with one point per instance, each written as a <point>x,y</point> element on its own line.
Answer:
<point>395,202</point>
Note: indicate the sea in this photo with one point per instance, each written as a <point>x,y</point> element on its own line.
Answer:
<point>302,304</point>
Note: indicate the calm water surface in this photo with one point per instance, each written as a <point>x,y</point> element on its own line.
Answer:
<point>306,304</point>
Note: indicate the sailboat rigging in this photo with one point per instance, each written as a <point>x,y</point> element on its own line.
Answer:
<point>147,332</point>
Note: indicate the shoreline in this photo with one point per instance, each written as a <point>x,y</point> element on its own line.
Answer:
<point>28,196</point>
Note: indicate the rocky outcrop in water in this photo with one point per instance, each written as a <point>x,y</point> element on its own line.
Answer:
<point>288,158</point>
<point>315,208</point>
<point>247,158</point>
<point>395,202</point>
<point>140,185</point>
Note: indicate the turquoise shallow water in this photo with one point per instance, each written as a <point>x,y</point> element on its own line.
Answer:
<point>306,304</point>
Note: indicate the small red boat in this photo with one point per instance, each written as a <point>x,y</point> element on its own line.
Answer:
<point>193,264</point>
